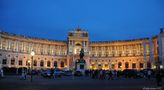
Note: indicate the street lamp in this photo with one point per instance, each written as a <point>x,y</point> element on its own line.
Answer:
<point>32,54</point>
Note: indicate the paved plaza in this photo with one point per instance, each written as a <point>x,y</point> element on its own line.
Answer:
<point>76,83</point>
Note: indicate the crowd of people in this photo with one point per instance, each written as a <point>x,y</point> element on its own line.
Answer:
<point>113,74</point>
<point>102,74</point>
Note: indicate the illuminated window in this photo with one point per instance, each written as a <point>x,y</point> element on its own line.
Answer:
<point>126,65</point>
<point>13,61</point>
<point>62,64</point>
<point>119,65</point>
<point>113,66</point>
<point>141,65</point>
<point>35,63</point>
<point>42,63</point>
<point>55,64</point>
<point>48,64</point>
<point>134,65</point>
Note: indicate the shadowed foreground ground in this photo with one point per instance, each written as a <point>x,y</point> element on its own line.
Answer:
<point>76,83</point>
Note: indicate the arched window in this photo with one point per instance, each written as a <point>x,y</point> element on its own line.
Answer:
<point>27,63</point>
<point>20,62</point>
<point>55,64</point>
<point>62,64</point>
<point>133,65</point>
<point>48,63</point>
<point>113,66</point>
<point>119,65</point>
<point>4,61</point>
<point>42,63</point>
<point>126,65</point>
<point>106,65</point>
<point>141,65</point>
<point>35,63</point>
<point>13,61</point>
<point>93,66</point>
<point>99,66</point>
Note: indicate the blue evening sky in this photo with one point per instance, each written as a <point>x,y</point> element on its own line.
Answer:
<point>105,20</point>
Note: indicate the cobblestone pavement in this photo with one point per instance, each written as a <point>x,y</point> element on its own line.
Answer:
<point>76,83</point>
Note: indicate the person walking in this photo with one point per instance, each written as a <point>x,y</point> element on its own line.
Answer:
<point>23,74</point>
<point>149,74</point>
<point>2,74</point>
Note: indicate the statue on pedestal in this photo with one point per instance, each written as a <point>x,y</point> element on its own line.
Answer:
<point>80,63</point>
<point>81,53</point>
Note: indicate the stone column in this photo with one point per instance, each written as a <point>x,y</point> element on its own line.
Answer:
<point>1,42</point>
<point>6,44</point>
<point>145,58</point>
<point>52,63</point>
<point>83,43</point>
<point>151,51</point>
<point>58,63</point>
<point>16,63</point>
<point>38,64</point>
<point>45,63</point>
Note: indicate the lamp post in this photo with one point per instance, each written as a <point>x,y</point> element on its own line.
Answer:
<point>32,55</point>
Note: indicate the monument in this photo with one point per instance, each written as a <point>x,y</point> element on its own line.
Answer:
<point>80,63</point>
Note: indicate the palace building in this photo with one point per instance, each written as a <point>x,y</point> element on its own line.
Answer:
<point>109,55</point>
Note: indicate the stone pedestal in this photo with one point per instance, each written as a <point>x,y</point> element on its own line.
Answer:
<point>80,65</point>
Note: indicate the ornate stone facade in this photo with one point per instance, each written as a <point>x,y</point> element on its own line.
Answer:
<point>114,55</point>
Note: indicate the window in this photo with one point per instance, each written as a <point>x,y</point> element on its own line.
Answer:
<point>28,62</point>
<point>55,64</point>
<point>4,61</point>
<point>99,66</point>
<point>119,65</point>
<point>35,63</point>
<point>20,62</point>
<point>133,65</point>
<point>141,65</point>
<point>13,61</point>
<point>106,65</point>
<point>48,64</point>
<point>126,65</point>
<point>62,64</point>
<point>93,66</point>
<point>42,63</point>
<point>113,66</point>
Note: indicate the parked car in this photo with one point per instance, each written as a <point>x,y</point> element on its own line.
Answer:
<point>58,73</point>
<point>145,72</point>
<point>78,73</point>
<point>33,72</point>
<point>68,73</point>
<point>46,73</point>
<point>131,73</point>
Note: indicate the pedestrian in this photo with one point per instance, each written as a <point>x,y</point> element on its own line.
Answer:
<point>149,74</point>
<point>2,74</point>
<point>110,75</point>
<point>23,74</point>
<point>113,73</point>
